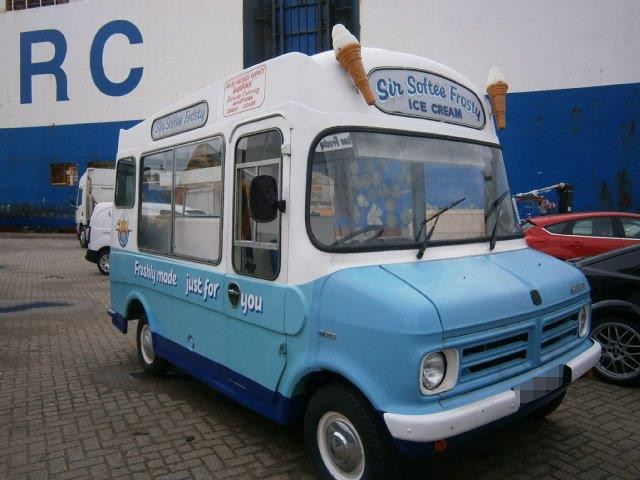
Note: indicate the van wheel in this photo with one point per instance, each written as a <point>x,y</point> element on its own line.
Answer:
<point>345,439</point>
<point>150,361</point>
<point>103,261</point>
<point>82,236</point>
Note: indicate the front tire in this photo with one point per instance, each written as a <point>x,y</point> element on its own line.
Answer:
<point>345,439</point>
<point>103,261</point>
<point>149,359</point>
<point>620,359</point>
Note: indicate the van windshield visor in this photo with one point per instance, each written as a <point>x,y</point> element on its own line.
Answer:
<point>362,180</point>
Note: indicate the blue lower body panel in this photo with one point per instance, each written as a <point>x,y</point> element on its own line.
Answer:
<point>245,391</point>
<point>273,405</point>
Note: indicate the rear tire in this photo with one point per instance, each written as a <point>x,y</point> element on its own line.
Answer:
<point>149,359</point>
<point>620,340</point>
<point>345,439</point>
<point>103,261</point>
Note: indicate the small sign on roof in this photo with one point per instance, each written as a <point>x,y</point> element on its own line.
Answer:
<point>188,118</point>
<point>245,91</point>
<point>417,93</point>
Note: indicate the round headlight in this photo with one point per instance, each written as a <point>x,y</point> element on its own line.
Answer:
<point>584,317</point>
<point>434,367</point>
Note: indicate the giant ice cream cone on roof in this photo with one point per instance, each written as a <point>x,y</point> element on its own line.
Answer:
<point>349,54</point>
<point>497,87</point>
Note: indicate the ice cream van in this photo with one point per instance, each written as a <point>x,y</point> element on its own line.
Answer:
<point>329,239</point>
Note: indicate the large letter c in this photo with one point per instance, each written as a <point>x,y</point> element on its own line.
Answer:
<point>105,85</point>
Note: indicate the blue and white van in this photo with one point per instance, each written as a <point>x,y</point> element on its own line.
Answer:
<point>356,267</point>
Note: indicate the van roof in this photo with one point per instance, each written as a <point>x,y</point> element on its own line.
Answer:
<point>317,81</point>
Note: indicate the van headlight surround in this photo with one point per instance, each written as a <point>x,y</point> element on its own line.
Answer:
<point>438,371</point>
<point>584,320</point>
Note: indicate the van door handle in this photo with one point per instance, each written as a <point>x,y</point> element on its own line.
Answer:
<point>234,294</point>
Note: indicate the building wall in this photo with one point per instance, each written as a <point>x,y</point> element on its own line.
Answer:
<point>185,46</point>
<point>573,71</point>
<point>572,68</point>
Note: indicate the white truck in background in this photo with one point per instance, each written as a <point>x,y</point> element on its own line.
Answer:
<point>95,185</point>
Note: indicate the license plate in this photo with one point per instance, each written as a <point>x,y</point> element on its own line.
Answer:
<point>541,385</point>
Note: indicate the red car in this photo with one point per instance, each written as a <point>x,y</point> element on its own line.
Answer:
<point>573,235</point>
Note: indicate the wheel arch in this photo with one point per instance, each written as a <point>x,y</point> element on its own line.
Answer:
<point>311,382</point>
<point>619,308</point>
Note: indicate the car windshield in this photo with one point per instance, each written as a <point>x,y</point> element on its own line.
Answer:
<point>373,190</point>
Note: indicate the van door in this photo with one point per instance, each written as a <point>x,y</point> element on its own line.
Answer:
<point>257,275</point>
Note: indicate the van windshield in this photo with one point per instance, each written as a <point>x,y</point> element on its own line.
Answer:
<point>371,191</point>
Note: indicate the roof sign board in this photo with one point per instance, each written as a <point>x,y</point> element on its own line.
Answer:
<point>417,93</point>
<point>245,91</point>
<point>194,116</point>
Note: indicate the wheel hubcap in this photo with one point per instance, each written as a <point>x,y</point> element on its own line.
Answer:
<point>146,344</point>
<point>104,262</point>
<point>620,357</point>
<point>340,447</point>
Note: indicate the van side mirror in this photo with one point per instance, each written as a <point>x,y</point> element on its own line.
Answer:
<point>72,202</point>
<point>263,199</point>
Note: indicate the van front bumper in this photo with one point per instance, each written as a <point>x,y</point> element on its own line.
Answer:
<point>449,423</point>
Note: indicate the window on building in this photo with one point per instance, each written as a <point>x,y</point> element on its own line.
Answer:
<point>26,4</point>
<point>275,27</point>
<point>64,174</point>
<point>125,183</point>
<point>256,246</point>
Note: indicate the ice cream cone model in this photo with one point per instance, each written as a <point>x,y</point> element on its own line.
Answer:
<point>497,90</point>
<point>349,54</point>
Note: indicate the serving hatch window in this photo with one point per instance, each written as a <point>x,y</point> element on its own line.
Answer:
<point>181,201</point>
<point>372,191</point>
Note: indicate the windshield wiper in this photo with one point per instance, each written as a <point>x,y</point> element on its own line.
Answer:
<point>495,205</point>
<point>436,215</point>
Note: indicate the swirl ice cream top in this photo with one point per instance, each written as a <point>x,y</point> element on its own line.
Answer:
<point>342,38</point>
<point>495,77</point>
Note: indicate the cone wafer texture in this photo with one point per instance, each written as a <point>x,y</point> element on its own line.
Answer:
<point>350,57</point>
<point>498,94</point>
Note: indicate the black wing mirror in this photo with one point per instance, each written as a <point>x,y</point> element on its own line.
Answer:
<point>263,199</point>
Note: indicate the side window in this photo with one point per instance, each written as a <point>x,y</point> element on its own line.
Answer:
<point>154,224</point>
<point>79,197</point>
<point>631,227</point>
<point>593,227</point>
<point>125,183</point>
<point>256,246</point>
<point>198,200</point>
<point>556,227</point>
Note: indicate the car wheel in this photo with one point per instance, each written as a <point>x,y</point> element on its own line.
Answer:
<point>149,359</point>
<point>620,359</point>
<point>345,439</point>
<point>103,261</point>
